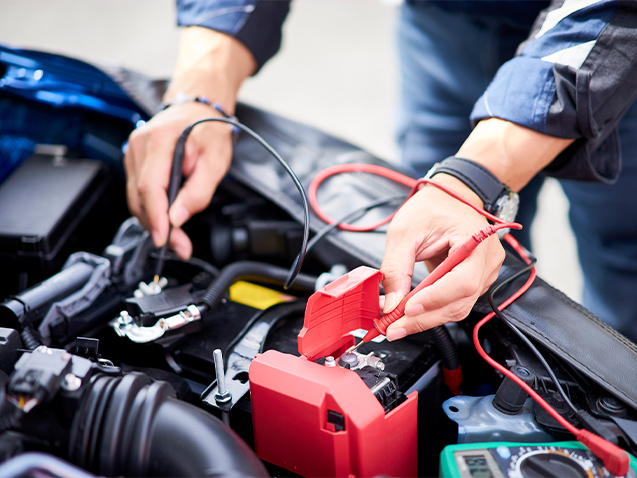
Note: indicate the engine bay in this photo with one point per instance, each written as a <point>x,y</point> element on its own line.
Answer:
<point>215,368</point>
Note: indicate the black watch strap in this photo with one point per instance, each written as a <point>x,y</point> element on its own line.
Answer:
<point>482,181</point>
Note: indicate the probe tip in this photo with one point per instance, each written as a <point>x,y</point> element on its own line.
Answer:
<point>353,348</point>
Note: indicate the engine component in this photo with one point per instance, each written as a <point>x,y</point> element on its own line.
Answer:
<point>128,252</point>
<point>41,464</point>
<point>40,374</point>
<point>125,325</point>
<point>81,299</point>
<point>479,421</point>
<point>510,398</point>
<point>128,426</point>
<point>239,358</point>
<point>33,303</point>
<point>54,209</point>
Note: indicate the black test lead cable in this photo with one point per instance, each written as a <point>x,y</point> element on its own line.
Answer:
<point>175,182</point>
<point>352,216</point>
<point>173,187</point>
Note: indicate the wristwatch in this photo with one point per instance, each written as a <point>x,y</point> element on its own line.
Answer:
<point>498,199</point>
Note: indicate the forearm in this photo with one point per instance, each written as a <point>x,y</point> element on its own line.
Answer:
<point>513,153</point>
<point>210,64</point>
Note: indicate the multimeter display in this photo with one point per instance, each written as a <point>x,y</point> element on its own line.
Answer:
<point>477,466</point>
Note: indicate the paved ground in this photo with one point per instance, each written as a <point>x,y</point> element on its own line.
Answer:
<point>335,71</point>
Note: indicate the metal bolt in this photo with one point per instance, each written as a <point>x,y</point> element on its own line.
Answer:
<point>124,318</point>
<point>375,362</point>
<point>223,395</point>
<point>71,382</point>
<point>329,361</point>
<point>348,360</point>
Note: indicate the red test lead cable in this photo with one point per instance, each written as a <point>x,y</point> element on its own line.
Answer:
<point>615,459</point>
<point>455,258</point>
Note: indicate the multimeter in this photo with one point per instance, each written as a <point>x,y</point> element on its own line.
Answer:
<point>518,460</point>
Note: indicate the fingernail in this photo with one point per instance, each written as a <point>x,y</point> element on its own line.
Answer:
<point>414,309</point>
<point>395,334</point>
<point>179,216</point>
<point>391,301</point>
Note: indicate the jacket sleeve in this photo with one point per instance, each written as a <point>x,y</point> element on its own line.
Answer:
<point>575,77</point>
<point>255,23</point>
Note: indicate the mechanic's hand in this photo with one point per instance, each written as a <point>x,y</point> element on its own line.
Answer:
<point>210,64</point>
<point>148,162</point>
<point>427,228</point>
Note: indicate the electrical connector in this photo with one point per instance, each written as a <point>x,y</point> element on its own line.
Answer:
<point>38,376</point>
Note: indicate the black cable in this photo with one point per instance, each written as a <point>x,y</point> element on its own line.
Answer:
<point>289,308</point>
<point>351,216</point>
<point>173,187</point>
<point>193,261</point>
<point>175,180</point>
<point>524,338</point>
<point>249,269</point>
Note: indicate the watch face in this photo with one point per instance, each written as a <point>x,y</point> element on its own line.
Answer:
<point>506,206</point>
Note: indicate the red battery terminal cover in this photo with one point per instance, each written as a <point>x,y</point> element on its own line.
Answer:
<point>324,421</point>
<point>349,303</point>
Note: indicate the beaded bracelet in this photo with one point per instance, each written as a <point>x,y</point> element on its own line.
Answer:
<point>181,98</point>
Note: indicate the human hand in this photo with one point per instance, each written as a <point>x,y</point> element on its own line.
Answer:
<point>429,227</point>
<point>148,163</point>
<point>210,64</point>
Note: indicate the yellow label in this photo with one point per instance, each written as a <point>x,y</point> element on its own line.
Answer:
<point>256,296</point>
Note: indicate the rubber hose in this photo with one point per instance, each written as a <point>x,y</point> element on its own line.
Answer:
<point>249,269</point>
<point>447,348</point>
<point>127,426</point>
<point>40,464</point>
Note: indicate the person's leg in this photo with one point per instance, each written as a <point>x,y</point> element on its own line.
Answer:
<point>447,59</point>
<point>603,218</point>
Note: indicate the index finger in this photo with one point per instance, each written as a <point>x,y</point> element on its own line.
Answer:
<point>153,185</point>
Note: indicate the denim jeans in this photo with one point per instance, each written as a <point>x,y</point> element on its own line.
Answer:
<point>447,59</point>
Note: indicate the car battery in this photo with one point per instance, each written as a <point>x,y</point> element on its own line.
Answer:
<point>51,206</point>
<point>314,418</point>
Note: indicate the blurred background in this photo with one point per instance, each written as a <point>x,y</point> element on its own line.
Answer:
<point>336,71</point>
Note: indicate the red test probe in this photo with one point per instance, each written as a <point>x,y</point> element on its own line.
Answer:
<point>445,266</point>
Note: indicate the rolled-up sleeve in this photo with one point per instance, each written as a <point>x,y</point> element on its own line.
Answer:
<point>575,77</point>
<point>255,23</point>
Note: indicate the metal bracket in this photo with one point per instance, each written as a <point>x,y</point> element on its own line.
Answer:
<point>239,359</point>
<point>125,325</point>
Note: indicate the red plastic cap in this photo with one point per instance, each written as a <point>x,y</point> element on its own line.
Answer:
<point>348,303</point>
